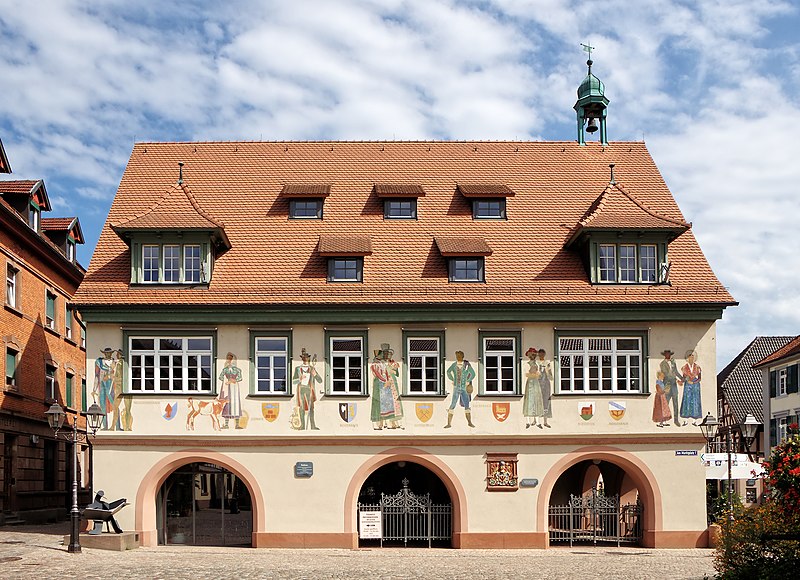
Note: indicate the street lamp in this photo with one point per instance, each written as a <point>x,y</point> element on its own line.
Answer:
<point>749,428</point>
<point>708,427</point>
<point>55,417</point>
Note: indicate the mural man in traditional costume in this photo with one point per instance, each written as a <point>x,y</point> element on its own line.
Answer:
<point>387,409</point>
<point>231,377</point>
<point>103,390</point>
<point>671,379</point>
<point>304,379</point>
<point>461,374</point>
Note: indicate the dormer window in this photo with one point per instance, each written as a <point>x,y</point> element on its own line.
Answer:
<point>34,216</point>
<point>305,209</point>
<point>488,199</point>
<point>70,250</point>
<point>465,257</point>
<point>345,255</point>
<point>172,263</point>
<point>399,200</point>
<point>627,263</point>
<point>403,209</point>
<point>345,269</point>
<point>466,270</point>
<point>306,200</point>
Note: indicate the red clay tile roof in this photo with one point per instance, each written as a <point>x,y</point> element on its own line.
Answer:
<point>344,246</point>
<point>68,224</point>
<point>176,209</point>
<point>790,349</point>
<point>398,190</point>
<point>273,259</point>
<point>29,187</point>
<point>306,190</point>
<point>484,190</point>
<point>462,246</point>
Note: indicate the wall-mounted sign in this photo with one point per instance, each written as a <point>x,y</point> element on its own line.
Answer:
<point>369,525</point>
<point>750,483</point>
<point>686,453</point>
<point>528,482</point>
<point>303,469</point>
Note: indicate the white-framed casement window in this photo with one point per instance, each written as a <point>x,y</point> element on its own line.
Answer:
<point>782,382</point>
<point>151,260</point>
<point>50,309</point>
<point>34,213</point>
<point>607,262</point>
<point>192,264</point>
<point>600,364</point>
<point>648,260</point>
<point>12,356</point>
<point>424,357</point>
<point>68,318</point>
<point>172,264</point>
<point>499,357</point>
<point>170,364</point>
<point>346,356</point>
<point>627,263</point>
<point>271,361</point>
<point>782,429</point>
<point>83,335</point>
<point>50,390</point>
<point>11,285</point>
<point>70,250</point>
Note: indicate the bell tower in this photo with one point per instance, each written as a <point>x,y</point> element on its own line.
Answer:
<point>592,105</point>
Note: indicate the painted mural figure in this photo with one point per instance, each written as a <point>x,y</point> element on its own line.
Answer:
<point>103,391</point>
<point>304,380</point>
<point>661,413</point>
<point>691,405</point>
<point>387,409</point>
<point>671,379</point>
<point>121,419</point>
<point>545,368</point>
<point>461,374</point>
<point>532,403</point>
<point>231,377</point>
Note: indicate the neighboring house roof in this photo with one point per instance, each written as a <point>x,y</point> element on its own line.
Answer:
<point>275,260</point>
<point>5,166</point>
<point>790,349</point>
<point>67,224</point>
<point>740,383</point>
<point>30,187</point>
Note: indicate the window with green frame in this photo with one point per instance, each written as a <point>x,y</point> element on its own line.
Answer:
<point>68,384</point>
<point>12,380</point>
<point>621,262</point>
<point>50,309</point>
<point>499,352</point>
<point>423,358</point>
<point>157,261</point>
<point>347,362</point>
<point>270,358</point>
<point>601,362</point>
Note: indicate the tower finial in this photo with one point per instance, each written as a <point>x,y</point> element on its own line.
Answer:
<point>591,105</point>
<point>589,49</point>
<point>180,172</point>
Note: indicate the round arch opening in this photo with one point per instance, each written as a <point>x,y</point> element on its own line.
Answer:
<point>404,504</point>
<point>204,504</point>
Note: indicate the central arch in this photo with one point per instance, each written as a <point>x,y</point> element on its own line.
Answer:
<point>413,455</point>
<point>145,508</point>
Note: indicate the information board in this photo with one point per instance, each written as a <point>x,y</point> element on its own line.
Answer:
<point>369,525</point>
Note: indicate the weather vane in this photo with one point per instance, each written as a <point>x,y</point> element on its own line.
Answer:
<point>588,49</point>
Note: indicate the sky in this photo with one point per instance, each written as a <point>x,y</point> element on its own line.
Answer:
<point>710,85</point>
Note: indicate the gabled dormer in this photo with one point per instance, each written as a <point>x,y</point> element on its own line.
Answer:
<point>28,198</point>
<point>622,241</point>
<point>174,241</point>
<point>64,233</point>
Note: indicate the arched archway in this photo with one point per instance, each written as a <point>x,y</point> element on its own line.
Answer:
<point>636,472</point>
<point>454,488</point>
<point>145,508</point>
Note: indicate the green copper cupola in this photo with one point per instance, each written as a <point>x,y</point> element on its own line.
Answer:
<point>591,106</point>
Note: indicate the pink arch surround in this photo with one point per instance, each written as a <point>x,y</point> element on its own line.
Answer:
<point>145,508</point>
<point>634,467</point>
<point>420,457</point>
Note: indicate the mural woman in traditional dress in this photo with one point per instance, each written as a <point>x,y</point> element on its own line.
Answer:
<point>532,404</point>
<point>230,377</point>
<point>691,406</point>
<point>386,410</point>
<point>545,381</point>
<point>661,412</point>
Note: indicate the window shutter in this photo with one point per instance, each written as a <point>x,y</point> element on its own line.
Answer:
<point>791,379</point>
<point>773,384</point>
<point>773,432</point>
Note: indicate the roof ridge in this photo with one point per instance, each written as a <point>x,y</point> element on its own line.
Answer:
<point>646,208</point>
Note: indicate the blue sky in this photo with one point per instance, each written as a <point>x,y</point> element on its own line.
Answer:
<point>710,85</point>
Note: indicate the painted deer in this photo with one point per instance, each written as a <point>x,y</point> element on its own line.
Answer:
<point>212,408</point>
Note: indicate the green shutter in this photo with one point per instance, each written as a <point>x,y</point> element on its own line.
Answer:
<point>773,432</point>
<point>791,379</point>
<point>69,390</point>
<point>83,395</point>
<point>773,384</point>
<point>11,366</point>
<point>51,306</point>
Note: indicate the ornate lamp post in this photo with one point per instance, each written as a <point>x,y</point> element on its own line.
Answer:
<point>749,428</point>
<point>55,417</point>
<point>708,427</point>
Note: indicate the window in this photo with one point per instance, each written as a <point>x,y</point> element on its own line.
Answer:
<point>648,261</point>
<point>347,364</point>
<point>499,356</point>
<point>608,262</point>
<point>600,364</point>
<point>33,217</point>
<point>50,390</point>
<point>305,209</point>
<point>150,263</point>
<point>70,250</point>
<point>466,270</point>
<point>84,407</point>
<point>11,285</point>
<point>83,335</point>
<point>424,356</point>
<point>170,364</point>
<point>489,208</point>
<point>782,431</point>
<point>172,264</point>
<point>271,364</point>
<point>192,265</point>
<point>781,382</point>
<point>50,310</point>
<point>345,269</point>
<point>68,316</point>
<point>68,385</point>
<point>627,263</point>
<point>400,208</point>
<point>11,368</point>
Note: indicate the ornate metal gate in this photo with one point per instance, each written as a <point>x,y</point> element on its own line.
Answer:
<point>595,518</point>
<point>408,517</point>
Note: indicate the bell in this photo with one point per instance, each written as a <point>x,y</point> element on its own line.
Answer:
<point>591,127</point>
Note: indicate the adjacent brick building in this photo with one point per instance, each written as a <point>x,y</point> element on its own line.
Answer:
<point>43,358</point>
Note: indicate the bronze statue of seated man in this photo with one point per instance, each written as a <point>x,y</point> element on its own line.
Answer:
<point>101,511</point>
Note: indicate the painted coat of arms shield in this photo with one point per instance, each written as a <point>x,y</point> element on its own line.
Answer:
<point>501,411</point>
<point>347,411</point>
<point>616,409</point>
<point>270,411</point>
<point>424,411</point>
<point>169,410</point>
<point>586,410</point>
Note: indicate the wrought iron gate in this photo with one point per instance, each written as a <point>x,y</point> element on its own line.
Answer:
<point>408,517</point>
<point>595,518</point>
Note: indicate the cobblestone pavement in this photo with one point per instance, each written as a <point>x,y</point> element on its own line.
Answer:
<point>36,552</point>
